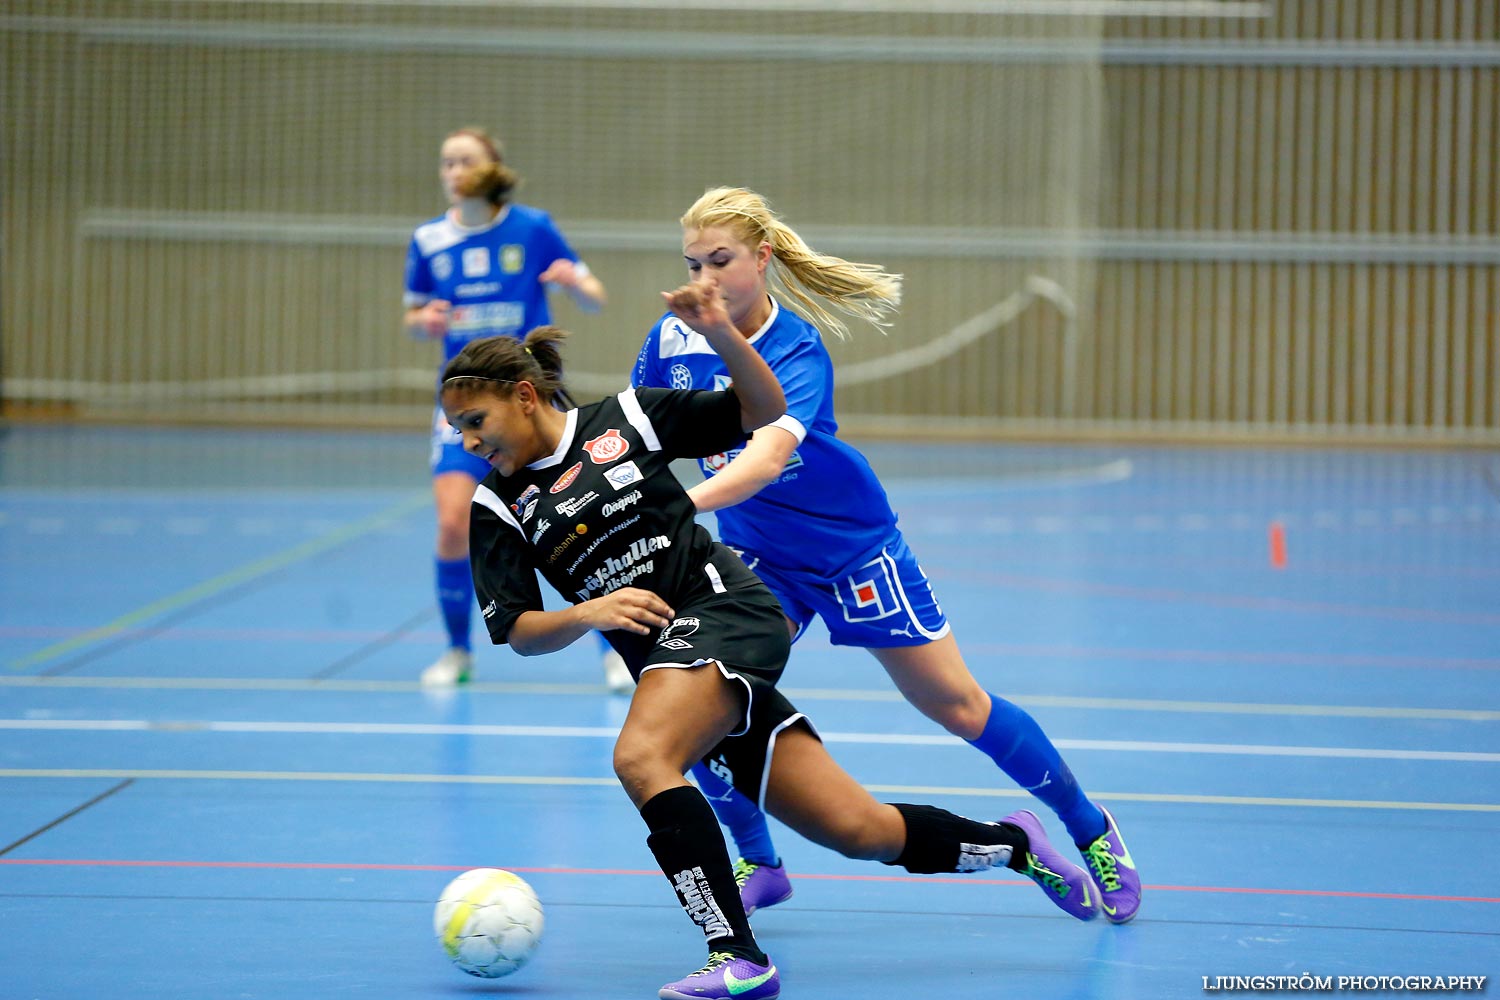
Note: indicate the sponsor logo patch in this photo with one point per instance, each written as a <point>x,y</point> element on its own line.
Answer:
<point>476,262</point>
<point>714,464</point>
<point>562,546</point>
<point>617,506</point>
<point>622,476</point>
<point>486,318</point>
<point>528,494</point>
<point>620,571</point>
<point>566,479</point>
<point>573,505</point>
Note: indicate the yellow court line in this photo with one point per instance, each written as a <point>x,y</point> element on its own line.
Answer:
<point>224,581</point>
<point>926,790</point>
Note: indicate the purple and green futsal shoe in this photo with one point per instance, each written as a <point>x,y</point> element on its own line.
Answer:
<point>1070,888</point>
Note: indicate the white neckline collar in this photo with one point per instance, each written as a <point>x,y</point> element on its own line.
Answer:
<point>775,311</point>
<point>563,444</point>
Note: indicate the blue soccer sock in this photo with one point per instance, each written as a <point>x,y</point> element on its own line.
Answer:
<point>455,593</point>
<point>1015,742</point>
<point>746,823</point>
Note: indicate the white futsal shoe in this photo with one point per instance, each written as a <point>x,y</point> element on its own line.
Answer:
<point>616,673</point>
<point>454,667</point>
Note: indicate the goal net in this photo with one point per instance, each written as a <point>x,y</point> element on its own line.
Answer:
<point>207,203</point>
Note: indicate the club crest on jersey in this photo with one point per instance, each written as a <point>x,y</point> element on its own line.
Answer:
<point>622,476</point>
<point>566,479</point>
<point>682,377</point>
<point>442,267</point>
<point>512,258</point>
<point>606,447</point>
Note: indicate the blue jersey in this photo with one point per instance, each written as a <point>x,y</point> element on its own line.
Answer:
<point>489,274</point>
<point>827,511</point>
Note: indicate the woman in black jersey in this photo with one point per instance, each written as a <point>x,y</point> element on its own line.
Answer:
<point>587,499</point>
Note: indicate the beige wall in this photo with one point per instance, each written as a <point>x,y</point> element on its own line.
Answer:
<point>1268,225</point>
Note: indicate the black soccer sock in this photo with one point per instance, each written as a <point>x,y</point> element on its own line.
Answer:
<point>689,846</point>
<point>940,841</point>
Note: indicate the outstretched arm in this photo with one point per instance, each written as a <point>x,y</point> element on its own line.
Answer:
<point>757,466</point>
<point>701,306</point>
<point>586,291</point>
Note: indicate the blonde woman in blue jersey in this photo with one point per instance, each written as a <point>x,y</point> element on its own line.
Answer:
<point>808,515</point>
<point>481,269</point>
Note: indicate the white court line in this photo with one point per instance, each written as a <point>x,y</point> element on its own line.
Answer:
<point>926,791</point>
<point>797,694</point>
<point>608,732</point>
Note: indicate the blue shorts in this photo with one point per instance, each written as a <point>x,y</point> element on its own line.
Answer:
<point>885,602</point>
<point>448,455</point>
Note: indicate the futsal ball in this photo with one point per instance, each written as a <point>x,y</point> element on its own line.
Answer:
<point>489,922</point>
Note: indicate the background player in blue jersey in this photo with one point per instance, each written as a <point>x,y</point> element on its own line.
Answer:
<point>588,501</point>
<point>808,515</point>
<point>481,269</point>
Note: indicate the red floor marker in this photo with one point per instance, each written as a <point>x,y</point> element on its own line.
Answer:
<point>1277,535</point>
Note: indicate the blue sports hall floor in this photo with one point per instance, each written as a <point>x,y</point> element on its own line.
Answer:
<point>219,778</point>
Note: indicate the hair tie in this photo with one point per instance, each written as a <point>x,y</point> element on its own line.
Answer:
<point>526,349</point>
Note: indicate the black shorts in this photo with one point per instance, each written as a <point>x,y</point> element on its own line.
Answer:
<point>742,631</point>
<point>744,761</point>
<point>743,634</point>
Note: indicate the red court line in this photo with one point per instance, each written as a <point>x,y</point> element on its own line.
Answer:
<point>351,866</point>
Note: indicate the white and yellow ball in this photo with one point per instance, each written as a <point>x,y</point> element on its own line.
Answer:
<point>489,922</point>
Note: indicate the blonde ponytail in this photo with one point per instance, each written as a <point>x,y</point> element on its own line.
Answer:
<point>863,291</point>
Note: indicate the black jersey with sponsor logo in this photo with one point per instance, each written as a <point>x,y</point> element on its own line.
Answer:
<point>605,510</point>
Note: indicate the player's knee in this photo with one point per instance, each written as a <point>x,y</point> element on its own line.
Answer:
<point>640,765</point>
<point>629,761</point>
<point>966,720</point>
<point>453,530</point>
<point>962,715</point>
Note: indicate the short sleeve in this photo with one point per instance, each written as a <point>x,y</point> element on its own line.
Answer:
<point>551,243</point>
<point>692,423</point>
<point>806,376</point>
<point>419,283</point>
<point>645,371</point>
<point>505,577</point>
